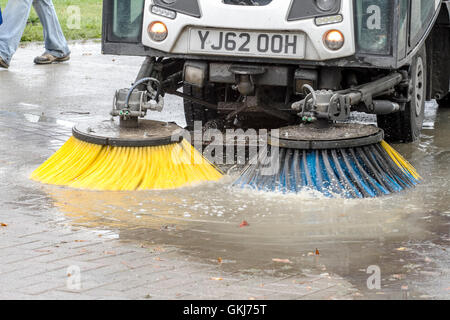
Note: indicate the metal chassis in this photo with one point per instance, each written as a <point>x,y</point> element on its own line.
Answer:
<point>362,97</point>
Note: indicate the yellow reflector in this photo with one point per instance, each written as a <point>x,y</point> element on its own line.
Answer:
<point>157,31</point>
<point>334,39</point>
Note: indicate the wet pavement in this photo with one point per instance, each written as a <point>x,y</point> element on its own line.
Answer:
<point>188,243</point>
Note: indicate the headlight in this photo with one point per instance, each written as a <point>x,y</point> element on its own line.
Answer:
<point>163,12</point>
<point>157,31</point>
<point>329,20</point>
<point>304,9</point>
<point>189,7</point>
<point>326,5</point>
<point>334,39</point>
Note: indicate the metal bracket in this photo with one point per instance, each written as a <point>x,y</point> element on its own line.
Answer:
<point>339,109</point>
<point>134,103</point>
<point>336,106</point>
<point>245,77</point>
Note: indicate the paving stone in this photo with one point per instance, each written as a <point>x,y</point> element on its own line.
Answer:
<point>41,287</point>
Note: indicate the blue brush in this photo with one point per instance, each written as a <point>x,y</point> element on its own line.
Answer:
<point>361,172</point>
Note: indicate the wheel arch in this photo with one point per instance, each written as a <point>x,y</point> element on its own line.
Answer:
<point>438,84</point>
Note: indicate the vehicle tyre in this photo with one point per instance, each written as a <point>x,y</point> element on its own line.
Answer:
<point>445,102</point>
<point>405,126</point>
<point>195,112</point>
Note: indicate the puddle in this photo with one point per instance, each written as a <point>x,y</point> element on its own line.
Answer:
<point>406,235</point>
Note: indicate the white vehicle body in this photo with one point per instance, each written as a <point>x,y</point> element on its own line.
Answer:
<point>272,18</point>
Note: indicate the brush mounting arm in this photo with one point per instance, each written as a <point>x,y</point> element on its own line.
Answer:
<point>336,105</point>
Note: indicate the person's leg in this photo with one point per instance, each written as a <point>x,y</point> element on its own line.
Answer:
<point>15,17</point>
<point>55,42</point>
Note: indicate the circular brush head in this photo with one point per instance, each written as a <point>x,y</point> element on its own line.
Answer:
<point>149,133</point>
<point>108,157</point>
<point>354,162</point>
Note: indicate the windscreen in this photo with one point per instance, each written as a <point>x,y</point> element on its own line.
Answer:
<point>374,25</point>
<point>421,14</point>
<point>127,20</point>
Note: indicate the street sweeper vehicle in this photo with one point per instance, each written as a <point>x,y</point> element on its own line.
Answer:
<point>298,66</point>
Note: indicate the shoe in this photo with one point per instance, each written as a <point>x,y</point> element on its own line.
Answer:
<point>47,58</point>
<point>3,64</point>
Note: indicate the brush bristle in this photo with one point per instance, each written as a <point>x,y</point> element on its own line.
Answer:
<point>362,172</point>
<point>83,165</point>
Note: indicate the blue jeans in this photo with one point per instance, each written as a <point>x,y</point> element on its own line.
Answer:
<point>15,17</point>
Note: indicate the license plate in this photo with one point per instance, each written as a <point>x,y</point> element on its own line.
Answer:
<point>246,43</point>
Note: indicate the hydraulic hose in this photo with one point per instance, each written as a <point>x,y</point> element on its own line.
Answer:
<point>137,83</point>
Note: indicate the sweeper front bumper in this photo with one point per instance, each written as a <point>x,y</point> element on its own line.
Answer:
<point>347,160</point>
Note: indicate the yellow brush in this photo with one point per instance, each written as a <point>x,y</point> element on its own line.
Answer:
<point>98,165</point>
<point>400,161</point>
